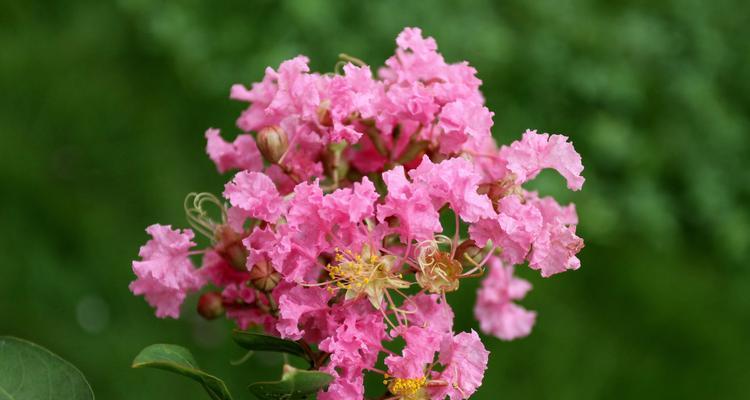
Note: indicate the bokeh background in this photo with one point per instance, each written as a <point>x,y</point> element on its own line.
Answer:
<point>103,107</point>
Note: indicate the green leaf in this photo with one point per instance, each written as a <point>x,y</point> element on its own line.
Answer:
<point>261,342</point>
<point>29,372</point>
<point>170,357</point>
<point>295,384</point>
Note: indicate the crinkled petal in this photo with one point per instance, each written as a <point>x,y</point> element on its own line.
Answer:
<point>165,273</point>
<point>465,360</point>
<point>296,303</point>
<point>241,154</point>
<point>454,181</point>
<point>495,310</point>
<point>255,194</point>
<point>534,152</point>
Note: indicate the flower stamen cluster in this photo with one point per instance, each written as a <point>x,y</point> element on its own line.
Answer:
<point>438,271</point>
<point>367,274</point>
<point>407,388</point>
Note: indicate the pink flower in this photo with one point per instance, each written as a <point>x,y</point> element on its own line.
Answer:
<point>295,255</point>
<point>534,152</point>
<point>416,59</point>
<point>357,332</point>
<point>465,360</point>
<point>354,93</point>
<point>262,245</point>
<point>318,222</point>
<point>412,101</point>
<point>419,352</point>
<point>241,154</point>
<point>515,228</point>
<point>454,181</point>
<point>254,195</point>
<point>260,96</point>
<point>303,214</point>
<point>347,386</point>
<point>364,91</point>
<point>165,275</point>
<point>300,302</point>
<point>462,121</point>
<point>555,248</point>
<point>538,230</point>
<point>427,311</point>
<point>411,205</point>
<point>459,81</point>
<point>429,321</point>
<point>298,91</point>
<point>462,356</point>
<point>350,205</point>
<point>495,310</point>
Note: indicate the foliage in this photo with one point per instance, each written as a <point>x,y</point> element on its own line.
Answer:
<point>29,372</point>
<point>179,360</point>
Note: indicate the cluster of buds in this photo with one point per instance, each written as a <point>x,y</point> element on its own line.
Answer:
<point>330,231</point>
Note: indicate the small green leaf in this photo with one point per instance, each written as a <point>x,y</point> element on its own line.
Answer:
<point>29,372</point>
<point>295,384</point>
<point>170,357</point>
<point>261,342</point>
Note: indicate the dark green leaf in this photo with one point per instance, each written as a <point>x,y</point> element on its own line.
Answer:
<point>178,359</point>
<point>29,372</point>
<point>261,342</point>
<point>295,384</point>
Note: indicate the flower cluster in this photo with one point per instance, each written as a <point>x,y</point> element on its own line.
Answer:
<point>330,231</point>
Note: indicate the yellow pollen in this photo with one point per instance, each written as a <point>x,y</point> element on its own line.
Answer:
<point>365,274</point>
<point>407,388</point>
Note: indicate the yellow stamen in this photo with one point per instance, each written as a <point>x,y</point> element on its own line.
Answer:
<point>407,388</point>
<point>365,274</point>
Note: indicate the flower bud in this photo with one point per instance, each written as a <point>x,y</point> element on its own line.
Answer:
<point>230,247</point>
<point>210,305</point>
<point>324,113</point>
<point>272,143</point>
<point>263,277</point>
<point>236,254</point>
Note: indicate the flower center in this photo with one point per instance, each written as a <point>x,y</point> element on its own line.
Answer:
<point>407,388</point>
<point>366,273</point>
<point>352,271</point>
<point>438,271</point>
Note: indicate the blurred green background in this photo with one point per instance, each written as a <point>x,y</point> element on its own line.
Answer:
<point>103,106</point>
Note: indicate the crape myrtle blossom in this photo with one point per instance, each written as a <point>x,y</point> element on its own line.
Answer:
<point>165,272</point>
<point>331,228</point>
<point>495,309</point>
